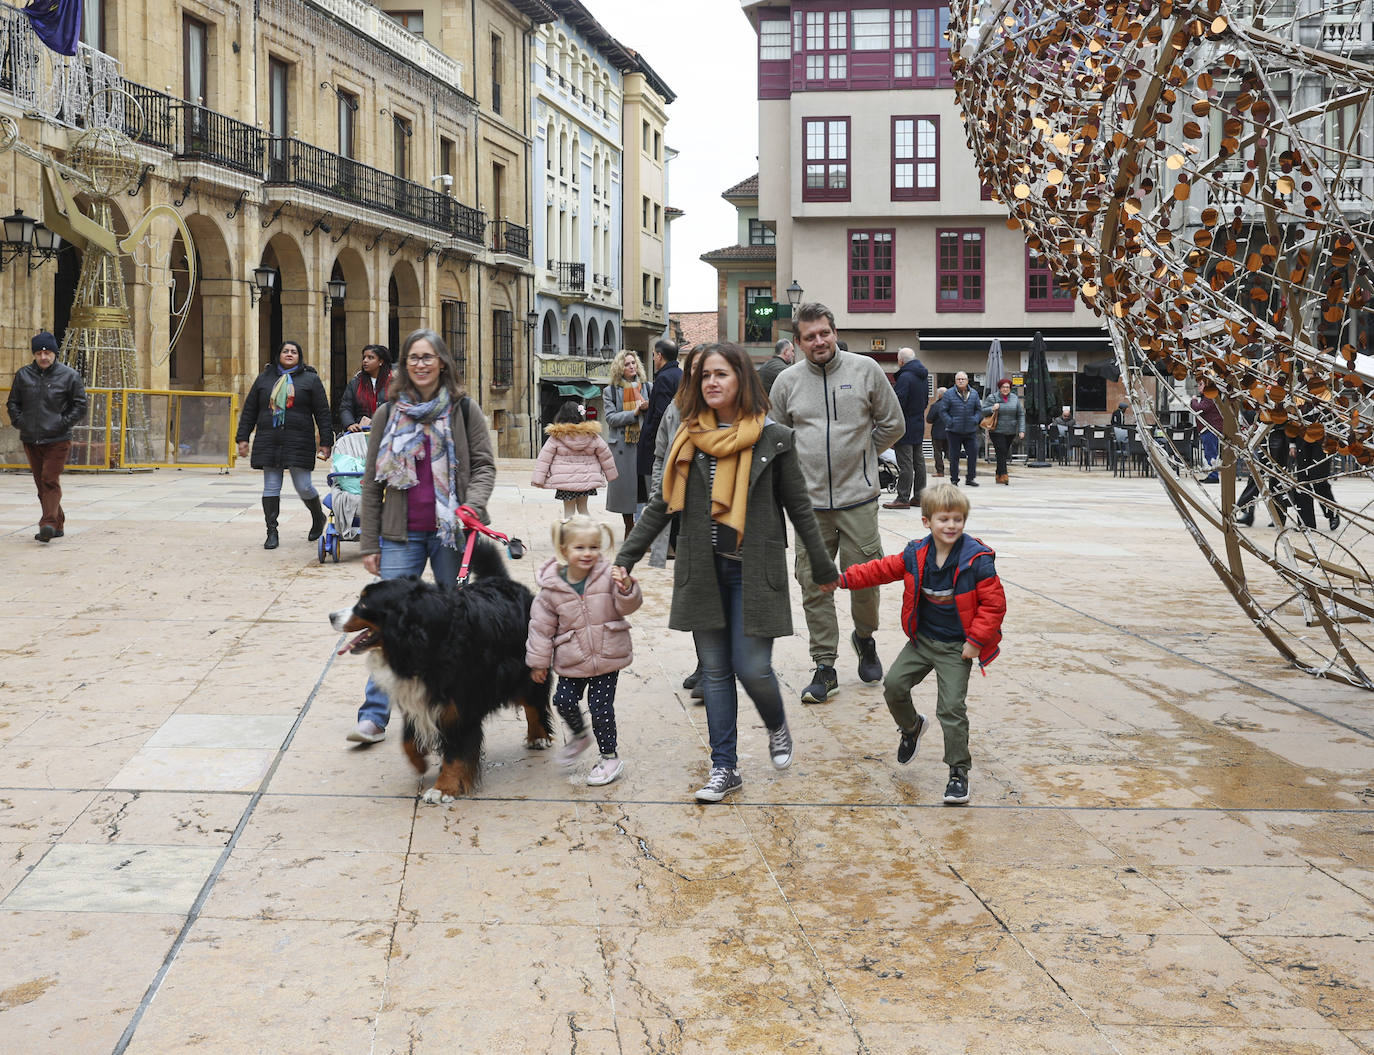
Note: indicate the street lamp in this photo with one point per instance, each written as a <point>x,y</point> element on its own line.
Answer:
<point>338,289</point>
<point>264,282</point>
<point>24,236</point>
<point>531,321</point>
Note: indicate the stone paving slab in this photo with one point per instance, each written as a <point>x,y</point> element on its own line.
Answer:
<point>1170,846</point>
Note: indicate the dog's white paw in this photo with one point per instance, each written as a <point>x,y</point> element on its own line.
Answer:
<point>542,744</point>
<point>436,797</point>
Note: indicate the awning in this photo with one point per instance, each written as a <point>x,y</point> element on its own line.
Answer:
<point>581,389</point>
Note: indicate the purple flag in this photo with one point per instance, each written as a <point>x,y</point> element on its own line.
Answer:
<point>57,23</point>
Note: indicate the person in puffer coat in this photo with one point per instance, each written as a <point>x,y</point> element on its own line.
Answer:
<point>578,627</point>
<point>575,460</point>
<point>283,412</point>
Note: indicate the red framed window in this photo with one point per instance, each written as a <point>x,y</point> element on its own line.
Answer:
<point>775,58</point>
<point>1042,291</point>
<point>872,273</point>
<point>959,275</point>
<point>824,46</point>
<point>916,158</point>
<point>931,50</point>
<point>825,147</point>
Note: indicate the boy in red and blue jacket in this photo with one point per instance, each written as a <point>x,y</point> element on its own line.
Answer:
<point>952,609</point>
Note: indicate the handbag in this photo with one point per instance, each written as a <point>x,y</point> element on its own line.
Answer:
<point>990,422</point>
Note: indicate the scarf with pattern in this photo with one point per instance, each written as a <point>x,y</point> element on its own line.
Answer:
<point>733,449</point>
<point>283,395</point>
<point>630,393</point>
<point>404,441</point>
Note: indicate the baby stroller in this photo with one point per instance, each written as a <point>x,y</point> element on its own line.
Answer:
<point>345,498</point>
<point>887,470</point>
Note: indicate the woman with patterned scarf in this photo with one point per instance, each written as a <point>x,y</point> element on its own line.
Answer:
<point>428,453</point>
<point>625,400</point>
<point>731,472</point>
<point>285,407</point>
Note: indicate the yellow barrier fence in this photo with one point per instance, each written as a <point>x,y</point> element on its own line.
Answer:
<point>144,428</point>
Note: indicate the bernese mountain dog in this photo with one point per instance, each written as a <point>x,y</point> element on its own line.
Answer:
<point>448,658</point>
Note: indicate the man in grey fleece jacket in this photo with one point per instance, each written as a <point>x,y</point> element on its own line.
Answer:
<point>844,413</point>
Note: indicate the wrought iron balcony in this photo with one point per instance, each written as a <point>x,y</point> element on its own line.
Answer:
<point>298,164</point>
<point>507,237</point>
<point>190,131</point>
<point>572,278</point>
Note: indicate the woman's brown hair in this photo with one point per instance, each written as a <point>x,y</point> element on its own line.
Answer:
<point>750,397</point>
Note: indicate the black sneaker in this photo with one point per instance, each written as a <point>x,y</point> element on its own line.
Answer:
<point>825,684</point>
<point>1334,520</point>
<point>906,747</point>
<point>870,666</point>
<point>691,680</point>
<point>721,782</point>
<point>971,483</point>
<point>956,791</point>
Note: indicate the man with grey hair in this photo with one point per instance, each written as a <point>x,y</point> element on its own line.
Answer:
<point>843,413</point>
<point>912,386</point>
<point>784,355</point>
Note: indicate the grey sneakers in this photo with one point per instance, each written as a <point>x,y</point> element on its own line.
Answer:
<point>721,782</point>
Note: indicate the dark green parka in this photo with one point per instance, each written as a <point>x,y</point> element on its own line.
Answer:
<point>775,484</point>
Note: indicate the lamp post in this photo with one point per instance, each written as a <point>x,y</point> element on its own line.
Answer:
<point>531,321</point>
<point>338,289</point>
<point>264,282</point>
<point>24,236</point>
<point>794,294</point>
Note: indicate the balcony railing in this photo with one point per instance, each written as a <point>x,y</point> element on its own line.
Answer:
<point>572,278</point>
<point>67,90</point>
<point>189,131</point>
<point>392,35</point>
<point>507,237</point>
<point>301,165</point>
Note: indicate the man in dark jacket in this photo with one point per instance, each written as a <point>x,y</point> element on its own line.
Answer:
<point>46,400</point>
<point>912,385</point>
<point>667,376</point>
<point>784,355</point>
<point>961,409</point>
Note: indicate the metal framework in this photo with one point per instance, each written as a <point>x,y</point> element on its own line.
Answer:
<point>1201,175</point>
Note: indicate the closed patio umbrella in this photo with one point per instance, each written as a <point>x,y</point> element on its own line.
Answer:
<point>1040,400</point>
<point>995,372</point>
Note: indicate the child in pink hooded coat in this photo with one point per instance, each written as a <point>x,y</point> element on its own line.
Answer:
<point>578,627</point>
<point>575,460</point>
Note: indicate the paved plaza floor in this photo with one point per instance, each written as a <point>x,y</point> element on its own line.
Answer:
<point>1169,848</point>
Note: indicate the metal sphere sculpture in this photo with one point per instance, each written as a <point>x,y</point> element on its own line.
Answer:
<point>1201,174</point>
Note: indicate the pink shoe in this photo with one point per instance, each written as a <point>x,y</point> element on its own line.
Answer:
<point>568,753</point>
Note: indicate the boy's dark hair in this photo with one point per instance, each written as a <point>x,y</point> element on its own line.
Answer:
<point>570,413</point>
<point>943,498</point>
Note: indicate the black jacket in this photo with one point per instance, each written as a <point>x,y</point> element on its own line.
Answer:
<point>350,413</point>
<point>912,385</point>
<point>293,445</point>
<point>45,404</point>
<point>661,393</point>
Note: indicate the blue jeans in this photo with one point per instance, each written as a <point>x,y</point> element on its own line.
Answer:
<point>1211,446</point>
<point>728,654</point>
<point>967,442</point>
<point>408,558</point>
<point>300,480</point>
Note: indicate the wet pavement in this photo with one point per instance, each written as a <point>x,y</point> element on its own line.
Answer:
<point>1169,848</point>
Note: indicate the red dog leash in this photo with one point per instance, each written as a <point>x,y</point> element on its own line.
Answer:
<point>474,526</point>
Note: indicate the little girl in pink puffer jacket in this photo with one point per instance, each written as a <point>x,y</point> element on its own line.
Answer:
<point>578,627</point>
<point>575,460</point>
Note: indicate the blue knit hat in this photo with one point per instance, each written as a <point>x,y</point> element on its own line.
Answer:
<point>43,341</point>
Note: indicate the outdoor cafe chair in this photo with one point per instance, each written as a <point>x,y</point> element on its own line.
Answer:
<point>1098,441</point>
<point>1073,445</point>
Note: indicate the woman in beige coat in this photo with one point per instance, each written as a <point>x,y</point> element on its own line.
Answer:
<point>578,627</point>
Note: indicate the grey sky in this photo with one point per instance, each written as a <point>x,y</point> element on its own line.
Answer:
<point>706,52</point>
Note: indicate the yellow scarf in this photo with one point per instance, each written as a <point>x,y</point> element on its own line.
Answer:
<point>733,449</point>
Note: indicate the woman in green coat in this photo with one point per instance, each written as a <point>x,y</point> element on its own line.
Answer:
<point>731,473</point>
